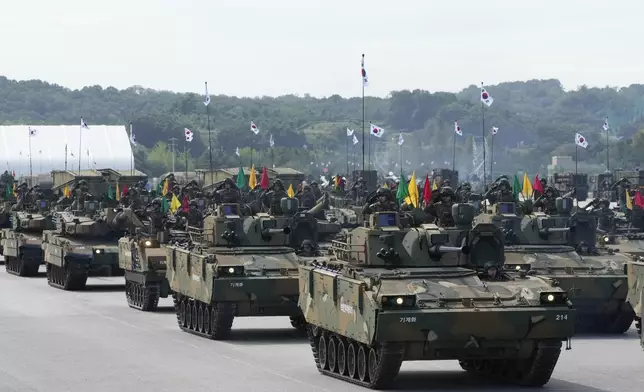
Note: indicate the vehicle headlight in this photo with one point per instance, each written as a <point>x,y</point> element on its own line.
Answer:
<point>398,301</point>
<point>553,298</point>
<point>98,251</point>
<point>234,270</point>
<point>148,243</point>
<point>517,267</point>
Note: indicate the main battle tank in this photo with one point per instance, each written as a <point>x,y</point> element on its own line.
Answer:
<point>428,293</point>
<point>84,242</point>
<point>236,266</point>
<point>22,244</point>
<point>142,255</point>
<point>540,244</point>
<point>635,272</point>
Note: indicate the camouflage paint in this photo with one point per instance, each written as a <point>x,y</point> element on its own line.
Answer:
<point>635,272</point>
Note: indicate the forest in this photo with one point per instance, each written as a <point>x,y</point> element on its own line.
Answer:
<point>536,119</point>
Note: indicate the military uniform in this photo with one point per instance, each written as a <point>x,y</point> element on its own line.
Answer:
<point>385,202</point>
<point>440,209</point>
<point>306,198</point>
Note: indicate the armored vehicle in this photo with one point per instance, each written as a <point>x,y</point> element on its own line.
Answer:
<point>235,266</point>
<point>542,245</point>
<point>22,244</point>
<point>427,293</point>
<point>303,224</point>
<point>85,239</point>
<point>635,272</point>
<point>142,255</point>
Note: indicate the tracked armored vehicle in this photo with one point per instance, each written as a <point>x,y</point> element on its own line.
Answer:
<point>236,266</point>
<point>84,242</point>
<point>427,293</point>
<point>304,225</point>
<point>142,255</point>
<point>540,244</point>
<point>22,244</point>
<point>635,271</point>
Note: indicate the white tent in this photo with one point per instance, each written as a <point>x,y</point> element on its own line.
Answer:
<point>100,146</point>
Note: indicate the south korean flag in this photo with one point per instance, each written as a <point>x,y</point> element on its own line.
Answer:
<point>189,134</point>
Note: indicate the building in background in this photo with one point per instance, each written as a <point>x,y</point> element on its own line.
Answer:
<point>99,146</point>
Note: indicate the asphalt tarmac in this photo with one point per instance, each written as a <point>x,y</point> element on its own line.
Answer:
<point>91,341</point>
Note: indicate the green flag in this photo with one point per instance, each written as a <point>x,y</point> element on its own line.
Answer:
<point>402,192</point>
<point>7,192</point>
<point>159,188</point>
<point>241,178</point>
<point>110,192</point>
<point>516,188</point>
<point>165,205</point>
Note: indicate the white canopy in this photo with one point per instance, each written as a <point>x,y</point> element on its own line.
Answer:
<point>100,146</point>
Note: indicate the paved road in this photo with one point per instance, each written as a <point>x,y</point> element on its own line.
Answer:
<point>55,341</point>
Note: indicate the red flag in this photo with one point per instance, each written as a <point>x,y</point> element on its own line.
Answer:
<point>185,204</point>
<point>639,200</point>
<point>125,189</point>
<point>427,190</point>
<point>263,182</point>
<point>536,186</point>
<point>13,173</point>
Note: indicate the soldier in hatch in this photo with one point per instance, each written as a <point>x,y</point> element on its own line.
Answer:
<point>229,194</point>
<point>500,192</point>
<point>315,188</point>
<point>155,212</point>
<point>463,192</point>
<point>23,199</point>
<point>440,209</point>
<point>274,197</point>
<point>307,249</point>
<point>384,203</point>
<point>547,201</point>
<point>306,198</point>
<point>193,217</point>
<point>606,217</point>
<point>80,194</point>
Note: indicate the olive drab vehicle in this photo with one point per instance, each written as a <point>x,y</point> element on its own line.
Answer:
<point>236,266</point>
<point>303,224</point>
<point>541,245</point>
<point>142,255</point>
<point>428,293</point>
<point>22,244</point>
<point>635,272</point>
<point>85,239</point>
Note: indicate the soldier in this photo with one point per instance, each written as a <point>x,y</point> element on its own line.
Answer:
<point>229,193</point>
<point>155,213</point>
<point>359,189</point>
<point>536,193</point>
<point>275,197</point>
<point>606,217</point>
<point>547,201</point>
<point>80,194</point>
<point>315,188</point>
<point>306,198</point>
<point>500,192</point>
<point>440,209</point>
<point>194,217</point>
<point>307,249</point>
<point>22,197</point>
<point>384,203</point>
<point>463,192</point>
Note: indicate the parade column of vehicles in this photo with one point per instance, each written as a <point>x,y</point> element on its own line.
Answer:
<point>393,291</point>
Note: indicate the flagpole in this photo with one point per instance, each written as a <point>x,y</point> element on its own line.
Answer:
<point>186,158</point>
<point>492,156</point>
<point>454,153</point>
<point>132,148</point>
<point>347,154</point>
<point>576,159</point>
<point>30,166</point>
<point>212,181</point>
<point>80,144</point>
<point>607,149</point>
<point>65,157</point>
<point>483,131</point>
<point>363,125</point>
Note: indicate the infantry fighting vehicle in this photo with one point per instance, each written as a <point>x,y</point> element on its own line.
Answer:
<point>303,224</point>
<point>236,266</point>
<point>635,271</point>
<point>427,293</point>
<point>540,244</point>
<point>142,255</point>
<point>22,244</point>
<point>85,239</point>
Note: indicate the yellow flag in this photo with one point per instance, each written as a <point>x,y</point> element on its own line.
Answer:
<point>412,189</point>
<point>174,204</point>
<point>290,192</point>
<point>165,187</point>
<point>527,187</point>
<point>66,191</point>
<point>252,178</point>
<point>629,202</point>
<point>434,185</point>
<point>118,192</point>
<point>385,186</point>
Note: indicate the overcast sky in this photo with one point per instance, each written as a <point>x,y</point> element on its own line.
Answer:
<point>260,47</point>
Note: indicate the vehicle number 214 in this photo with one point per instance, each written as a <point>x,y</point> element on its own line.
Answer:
<point>561,317</point>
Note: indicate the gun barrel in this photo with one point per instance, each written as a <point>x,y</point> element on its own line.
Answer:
<point>547,231</point>
<point>286,230</point>
<point>445,249</point>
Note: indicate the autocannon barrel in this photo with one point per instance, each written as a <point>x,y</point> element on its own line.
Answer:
<point>448,249</point>
<point>549,230</point>
<point>286,230</point>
